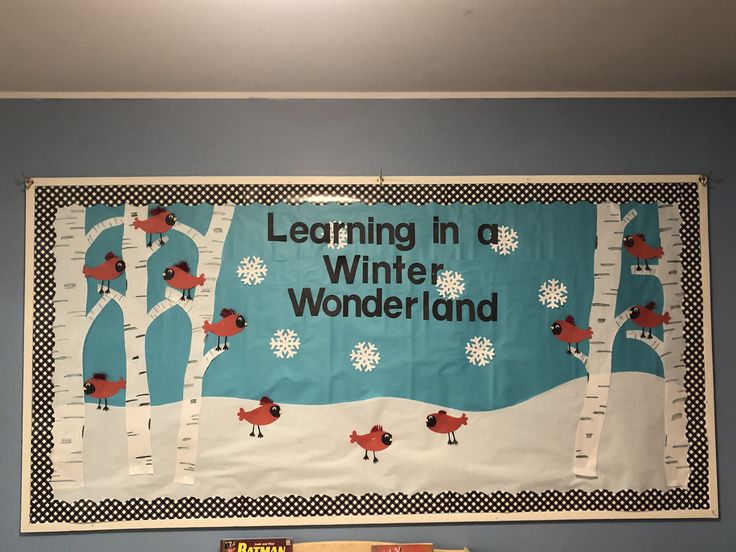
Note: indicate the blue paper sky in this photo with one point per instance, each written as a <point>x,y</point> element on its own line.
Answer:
<point>420,360</point>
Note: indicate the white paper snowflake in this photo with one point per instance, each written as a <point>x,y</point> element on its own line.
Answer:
<point>553,294</point>
<point>365,356</point>
<point>252,271</point>
<point>450,284</point>
<point>508,241</point>
<point>479,351</point>
<point>285,343</point>
<point>339,241</point>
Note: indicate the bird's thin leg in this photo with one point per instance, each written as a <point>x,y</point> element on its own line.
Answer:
<point>99,404</point>
<point>366,455</point>
<point>182,296</point>
<point>650,334</point>
<point>225,346</point>
<point>108,287</point>
<point>638,266</point>
<point>161,239</point>
<point>218,344</point>
<point>577,347</point>
<point>643,334</point>
<point>374,457</point>
<point>449,440</point>
<point>569,352</point>
<point>260,435</point>
<point>105,405</point>
<point>149,240</point>
<point>454,439</point>
<point>646,263</point>
<point>253,431</point>
<point>102,287</point>
<point>189,294</point>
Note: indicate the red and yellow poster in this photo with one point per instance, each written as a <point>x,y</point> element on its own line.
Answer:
<point>264,351</point>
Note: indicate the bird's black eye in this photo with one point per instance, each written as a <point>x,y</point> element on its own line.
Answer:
<point>556,329</point>
<point>89,388</point>
<point>635,312</point>
<point>240,321</point>
<point>171,219</point>
<point>275,411</point>
<point>431,421</point>
<point>120,266</point>
<point>628,241</point>
<point>386,439</point>
<point>168,274</point>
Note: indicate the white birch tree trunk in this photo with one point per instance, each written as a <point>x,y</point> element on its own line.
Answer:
<point>202,308</point>
<point>671,349</point>
<point>136,320</point>
<point>72,323</point>
<point>605,325</point>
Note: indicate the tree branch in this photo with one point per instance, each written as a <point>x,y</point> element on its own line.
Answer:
<point>628,217</point>
<point>654,343</point>
<point>172,299</point>
<point>624,317</point>
<point>106,298</point>
<point>100,227</point>
<point>582,358</point>
<point>653,270</point>
<point>196,236</point>
<point>211,355</point>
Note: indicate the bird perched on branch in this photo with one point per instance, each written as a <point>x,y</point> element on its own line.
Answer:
<point>567,332</point>
<point>112,267</point>
<point>266,413</point>
<point>159,222</point>
<point>375,440</point>
<point>442,422</point>
<point>637,245</point>
<point>645,317</point>
<point>98,387</point>
<point>231,324</point>
<point>178,277</point>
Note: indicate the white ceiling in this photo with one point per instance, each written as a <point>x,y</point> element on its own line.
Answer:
<point>366,46</point>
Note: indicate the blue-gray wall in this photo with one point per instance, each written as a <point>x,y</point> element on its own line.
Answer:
<point>131,138</point>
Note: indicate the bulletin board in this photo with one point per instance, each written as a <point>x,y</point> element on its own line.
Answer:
<point>320,350</point>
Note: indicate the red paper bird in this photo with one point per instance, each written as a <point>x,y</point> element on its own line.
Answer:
<point>110,269</point>
<point>567,332</point>
<point>98,387</point>
<point>231,324</point>
<point>159,222</point>
<point>267,413</point>
<point>178,277</point>
<point>375,440</point>
<point>442,422</point>
<point>645,317</point>
<point>637,245</point>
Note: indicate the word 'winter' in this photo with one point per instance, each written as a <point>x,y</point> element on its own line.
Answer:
<point>377,272</point>
<point>402,235</point>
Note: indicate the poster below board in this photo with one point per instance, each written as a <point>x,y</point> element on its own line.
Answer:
<point>301,351</point>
